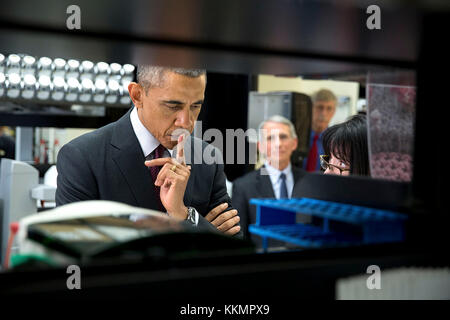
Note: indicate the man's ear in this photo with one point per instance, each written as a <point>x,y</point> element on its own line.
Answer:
<point>260,148</point>
<point>295,144</point>
<point>136,94</point>
<point>335,108</point>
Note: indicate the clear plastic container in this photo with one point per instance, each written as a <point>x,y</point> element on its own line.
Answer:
<point>391,114</point>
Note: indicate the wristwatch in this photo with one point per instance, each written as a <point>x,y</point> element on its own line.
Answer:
<point>191,215</point>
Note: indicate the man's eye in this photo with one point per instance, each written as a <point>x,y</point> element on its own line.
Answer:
<point>196,106</point>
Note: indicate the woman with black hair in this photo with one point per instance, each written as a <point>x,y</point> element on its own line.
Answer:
<point>346,149</point>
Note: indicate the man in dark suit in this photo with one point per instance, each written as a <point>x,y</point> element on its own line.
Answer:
<point>133,159</point>
<point>324,109</point>
<point>275,179</point>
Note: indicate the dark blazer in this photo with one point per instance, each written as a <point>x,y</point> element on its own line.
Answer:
<point>255,185</point>
<point>108,164</point>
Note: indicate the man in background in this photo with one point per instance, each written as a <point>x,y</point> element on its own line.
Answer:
<point>324,108</point>
<point>275,179</point>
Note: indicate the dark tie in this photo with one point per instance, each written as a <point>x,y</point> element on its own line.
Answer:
<point>159,152</point>
<point>312,156</point>
<point>283,187</point>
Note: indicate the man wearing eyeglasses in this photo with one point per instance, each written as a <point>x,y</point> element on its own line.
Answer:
<point>276,179</point>
<point>324,108</point>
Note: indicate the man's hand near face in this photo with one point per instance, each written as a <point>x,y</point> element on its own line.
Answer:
<point>173,187</point>
<point>172,179</point>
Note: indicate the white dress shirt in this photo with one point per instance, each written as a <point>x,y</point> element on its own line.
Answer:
<point>147,142</point>
<point>275,178</point>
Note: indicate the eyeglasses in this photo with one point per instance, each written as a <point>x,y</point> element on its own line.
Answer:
<point>324,164</point>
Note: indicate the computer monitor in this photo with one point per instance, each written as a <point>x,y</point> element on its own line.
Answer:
<point>17,179</point>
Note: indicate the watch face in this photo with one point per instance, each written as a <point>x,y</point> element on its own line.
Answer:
<point>191,215</point>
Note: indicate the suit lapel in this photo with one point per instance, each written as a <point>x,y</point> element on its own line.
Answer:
<point>127,155</point>
<point>295,173</point>
<point>264,185</point>
<point>193,153</point>
<point>298,176</point>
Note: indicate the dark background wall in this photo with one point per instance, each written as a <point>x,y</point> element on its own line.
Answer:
<point>226,107</point>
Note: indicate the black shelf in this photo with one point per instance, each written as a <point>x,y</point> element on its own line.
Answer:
<point>58,121</point>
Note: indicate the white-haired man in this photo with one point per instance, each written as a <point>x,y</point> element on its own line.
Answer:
<point>324,108</point>
<point>276,179</point>
<point>131,160</point>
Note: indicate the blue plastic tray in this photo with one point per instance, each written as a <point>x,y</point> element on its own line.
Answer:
<point>276,219</point>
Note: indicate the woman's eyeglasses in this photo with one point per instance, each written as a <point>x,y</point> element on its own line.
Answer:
<point>324,164</point>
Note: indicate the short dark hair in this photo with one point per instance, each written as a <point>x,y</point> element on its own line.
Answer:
<point>347,141</point>
<point>154,76</point>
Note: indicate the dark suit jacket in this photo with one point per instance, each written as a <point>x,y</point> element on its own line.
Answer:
<point>108,164</point>
<point>255,185</point>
